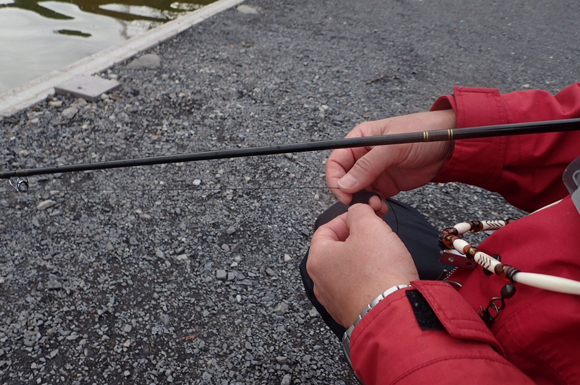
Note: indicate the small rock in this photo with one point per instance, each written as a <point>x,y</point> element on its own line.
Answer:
<point>145,61</point>
<point>281,308</point>
<point>53,283</point>
<point>127,328</point>
<point>222,275</point>
<point>286,380</point>
<point>231,230</point>
<point>55,103</point>
<point>287,258</point>
<point>69,112</point>
<point>246,9</point>
<point>159,253</point>
<point>45,204</point>
<point>270,272</point>
<point>225,248</point>
<point>289,155</point>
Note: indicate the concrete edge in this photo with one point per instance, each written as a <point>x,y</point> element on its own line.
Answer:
<point>38,89</point>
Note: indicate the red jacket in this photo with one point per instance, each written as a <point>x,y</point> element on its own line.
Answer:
<point>536,338</point>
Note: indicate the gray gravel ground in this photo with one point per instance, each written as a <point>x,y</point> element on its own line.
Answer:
<point>187,273</point>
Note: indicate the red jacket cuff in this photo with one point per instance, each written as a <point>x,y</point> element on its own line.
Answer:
<point>390,333</point>
<point>389,347</point>
<point>474,107</point>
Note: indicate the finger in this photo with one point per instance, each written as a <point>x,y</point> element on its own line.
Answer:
<point>384,208</point>
<point>379,205</point>
<point>362,219</point>
<point>347,160</point>
<point>363,172</point>
<point>376,201</point>
<point>337,165</point>
<point>372,168</point>
<point>342,160</point>
<point>334,231</point>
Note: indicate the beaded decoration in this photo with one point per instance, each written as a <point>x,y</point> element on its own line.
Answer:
<point>451,238</point>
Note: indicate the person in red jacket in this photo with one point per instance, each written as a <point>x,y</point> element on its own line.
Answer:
<point>429,331</point>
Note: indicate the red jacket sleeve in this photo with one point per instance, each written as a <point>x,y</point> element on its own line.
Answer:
<point>526,170</point>
<point>389,347</point>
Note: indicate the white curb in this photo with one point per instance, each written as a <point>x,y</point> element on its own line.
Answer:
<point>38,89</point>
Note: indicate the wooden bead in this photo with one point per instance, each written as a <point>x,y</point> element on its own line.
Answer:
<point>508,291</point>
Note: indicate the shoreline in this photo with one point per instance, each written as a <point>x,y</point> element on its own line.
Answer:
<point>38,89</point>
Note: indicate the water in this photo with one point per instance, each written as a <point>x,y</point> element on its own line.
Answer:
<point>37,37</point>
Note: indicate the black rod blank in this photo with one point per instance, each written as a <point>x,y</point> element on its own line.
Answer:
<point>411,137</point>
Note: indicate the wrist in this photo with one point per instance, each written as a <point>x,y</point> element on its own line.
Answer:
<point>366,310</point>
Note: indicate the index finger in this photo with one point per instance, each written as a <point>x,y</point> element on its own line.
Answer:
<point>342,160</point>
<point>337,165</point>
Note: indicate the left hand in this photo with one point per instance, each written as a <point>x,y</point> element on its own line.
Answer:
<point>353,259</point>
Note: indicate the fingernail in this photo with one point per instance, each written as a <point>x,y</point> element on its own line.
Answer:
<point>347,182</point>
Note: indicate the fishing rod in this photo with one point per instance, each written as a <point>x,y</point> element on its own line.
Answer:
<point>411,137</point>
<point>543,281</point>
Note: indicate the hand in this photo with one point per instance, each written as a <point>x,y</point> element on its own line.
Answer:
<point>353,259</point>
<point>388,170</point>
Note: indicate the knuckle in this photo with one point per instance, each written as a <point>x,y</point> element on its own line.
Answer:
<point>364,165</point>
<point>365,126</point>
<point>312,264</point>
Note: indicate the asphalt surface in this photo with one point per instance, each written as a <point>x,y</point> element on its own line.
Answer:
<point>188,273</point>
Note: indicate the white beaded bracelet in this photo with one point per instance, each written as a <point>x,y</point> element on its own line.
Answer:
<point>374,302</point>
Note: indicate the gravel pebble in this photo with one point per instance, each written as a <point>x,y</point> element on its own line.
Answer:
<point>286,380</point>
<point>247,10</point>
<point>45,205</point>
<point>69,112</point>
<point>221,275</point>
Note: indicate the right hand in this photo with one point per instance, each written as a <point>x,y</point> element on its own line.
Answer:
<point>390,169</point>
<point>352,259</point>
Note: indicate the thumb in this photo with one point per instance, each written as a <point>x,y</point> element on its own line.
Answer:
<point>366,169</point>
